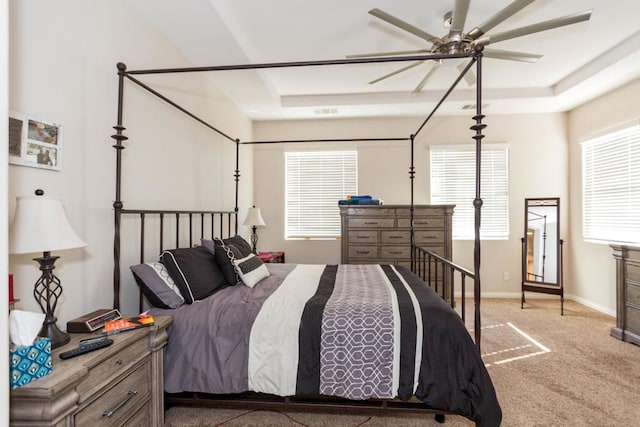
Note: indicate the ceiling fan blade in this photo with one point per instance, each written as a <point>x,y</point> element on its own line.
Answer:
<point>469,77</point>
<point>402,25</point>
<point>423,82</point>
<point>459,17</point>
<point>512,56</point>
<point>540,26</point>
<point>397,52</point>
<point>499,17</point>
<point>386,76</point>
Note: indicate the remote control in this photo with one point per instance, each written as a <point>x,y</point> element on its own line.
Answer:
<point>86,348</point>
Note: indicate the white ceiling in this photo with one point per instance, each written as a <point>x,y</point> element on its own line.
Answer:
<point>579,63</point>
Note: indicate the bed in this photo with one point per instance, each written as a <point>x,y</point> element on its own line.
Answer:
<point>357,335</point>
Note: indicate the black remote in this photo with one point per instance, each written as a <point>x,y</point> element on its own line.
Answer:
<point>86,348</point>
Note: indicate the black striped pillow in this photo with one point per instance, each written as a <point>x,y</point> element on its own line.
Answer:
<point>251,270</point>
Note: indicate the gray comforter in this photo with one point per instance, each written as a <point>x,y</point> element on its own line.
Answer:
<point>352,331</point>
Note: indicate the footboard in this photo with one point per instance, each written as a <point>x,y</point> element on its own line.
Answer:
<point>443,274</point>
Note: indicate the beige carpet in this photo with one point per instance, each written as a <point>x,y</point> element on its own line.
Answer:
<point>548,370</point>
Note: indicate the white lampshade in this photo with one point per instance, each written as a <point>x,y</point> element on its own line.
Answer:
<point>40,225</point>
<point>254,217</point>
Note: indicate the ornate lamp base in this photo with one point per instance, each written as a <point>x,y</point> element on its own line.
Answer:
<point>46,291</point>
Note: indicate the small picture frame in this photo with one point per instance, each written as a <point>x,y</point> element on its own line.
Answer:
<point>34,142</point>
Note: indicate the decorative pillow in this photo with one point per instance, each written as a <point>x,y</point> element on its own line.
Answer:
<point>209,244</point>
<point>251,269</point>
<point>225,255</point>
<point>237,241</point>
<point>156,284</point>
<point>195,272</point>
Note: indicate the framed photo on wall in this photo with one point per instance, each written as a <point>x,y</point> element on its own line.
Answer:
<point>34,142</point>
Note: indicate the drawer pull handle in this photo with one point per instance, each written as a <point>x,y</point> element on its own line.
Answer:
<point>362,252</point>
<point>363,237</point>
<point>395,252</point>
<point>119,362</point>
<point>371,222</point>
<point>128,397</point>
<point>395,237</point>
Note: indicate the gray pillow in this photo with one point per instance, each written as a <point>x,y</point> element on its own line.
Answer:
<point>195,272</point>
<point>157,285</point>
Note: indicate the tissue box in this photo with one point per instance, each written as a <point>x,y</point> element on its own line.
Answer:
<point>30,362</point>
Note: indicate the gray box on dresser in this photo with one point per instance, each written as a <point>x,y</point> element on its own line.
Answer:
<point>119,385</point>
<point>381,234</point>
<point>627,293</point>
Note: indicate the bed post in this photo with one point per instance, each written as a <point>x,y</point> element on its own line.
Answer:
<point>237,179</point>
<point>412,173</point>
<point>117,204</point>
<point>477,202</point>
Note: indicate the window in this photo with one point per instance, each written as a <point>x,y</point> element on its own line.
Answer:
<point>611,187</point>
<point>314,182</point>
<point>453,177</point>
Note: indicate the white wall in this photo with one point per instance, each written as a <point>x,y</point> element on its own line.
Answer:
<point>63,59</point>
<point>4,324</point>
<point>592,264</point>
<point>538,168</point>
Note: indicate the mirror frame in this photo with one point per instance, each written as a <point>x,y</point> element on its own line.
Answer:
<point>554,288</point>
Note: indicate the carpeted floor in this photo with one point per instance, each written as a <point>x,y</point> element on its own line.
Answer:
<point>548,370</point>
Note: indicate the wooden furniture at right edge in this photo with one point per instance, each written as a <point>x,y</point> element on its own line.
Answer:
<point>381,234</point>
<point>627,293</point>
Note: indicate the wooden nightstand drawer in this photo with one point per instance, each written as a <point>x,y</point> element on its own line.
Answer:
<point>112,367</point>
<point>632,319</point>
<point>113,407</point>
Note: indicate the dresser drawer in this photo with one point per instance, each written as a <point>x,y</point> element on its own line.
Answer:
<point>429,236</point>
<point>395,236</point>
<point>363,236</point>
<point>633,294</point>
<point>633,272</point>
<point>395,252</point>
<point>113,407</point>
<point>371,222</point>
<point>421,222</point>
<point>363,252</point>
<point>632,320</point>
<point>111,368</point>
<point>140,418</point>
<point>371,211</point>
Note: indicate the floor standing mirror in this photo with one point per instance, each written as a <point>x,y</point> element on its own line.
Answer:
<point>542,249</point>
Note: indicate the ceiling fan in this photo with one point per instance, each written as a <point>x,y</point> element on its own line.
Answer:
<point>457,41</point>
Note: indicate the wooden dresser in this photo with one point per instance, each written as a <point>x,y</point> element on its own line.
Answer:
<point>627,293</point>
<point>381,234</point>
<point>119,385</point>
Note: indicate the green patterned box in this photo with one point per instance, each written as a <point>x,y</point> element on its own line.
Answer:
<point>30,362</point>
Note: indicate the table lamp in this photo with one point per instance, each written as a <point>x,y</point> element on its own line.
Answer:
<point>254,219</point>
<point>41,225</point>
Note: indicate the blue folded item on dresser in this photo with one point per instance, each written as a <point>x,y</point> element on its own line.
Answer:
<point>30,362</point>
<point>359,202</point>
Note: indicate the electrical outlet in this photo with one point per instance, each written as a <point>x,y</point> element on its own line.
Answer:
<point>505,275</point>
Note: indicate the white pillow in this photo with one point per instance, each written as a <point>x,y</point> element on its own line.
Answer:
<point>251,269</point>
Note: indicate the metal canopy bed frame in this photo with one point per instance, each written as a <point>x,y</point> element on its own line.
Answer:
<point>422,261</point>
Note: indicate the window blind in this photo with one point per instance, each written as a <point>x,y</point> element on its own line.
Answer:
<point>611,187</point>
<point>453,176</point>
<point>315,181</point>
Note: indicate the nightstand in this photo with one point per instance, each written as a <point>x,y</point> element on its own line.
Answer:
<point>271,257</point>
<point>117,385</point>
